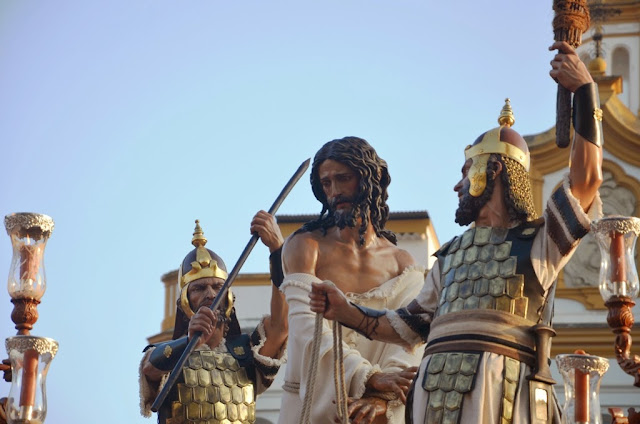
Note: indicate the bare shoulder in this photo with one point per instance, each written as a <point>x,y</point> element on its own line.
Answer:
<point>404,259</point>
<point>300,253</point>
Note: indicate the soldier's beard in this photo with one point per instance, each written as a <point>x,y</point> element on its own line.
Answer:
<point>469,206</point>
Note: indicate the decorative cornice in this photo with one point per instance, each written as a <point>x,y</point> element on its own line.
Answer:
<point>411,236</point>
<point>595,339</point>
<point>252,279</point>
<point>546,157</point>
<point>170,277</point>
<point>398,222</point>
<point>629,11</point>
<point>393,216</point>
<point>161,337</point>
<point>590,297</point>
<point>621,132</point>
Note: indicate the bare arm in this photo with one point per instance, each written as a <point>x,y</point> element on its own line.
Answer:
<point>585,169</point>
<point>275,325</point>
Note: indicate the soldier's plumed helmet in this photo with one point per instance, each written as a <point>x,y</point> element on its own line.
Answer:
<point>513,151</point>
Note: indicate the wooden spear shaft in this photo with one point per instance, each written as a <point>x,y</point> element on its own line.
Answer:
<point>173,377</point>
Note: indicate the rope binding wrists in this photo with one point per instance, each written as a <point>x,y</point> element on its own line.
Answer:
<point>370,321</point>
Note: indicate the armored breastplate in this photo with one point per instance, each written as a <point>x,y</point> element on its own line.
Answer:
<point>213,389</point>
<point>490,268</point>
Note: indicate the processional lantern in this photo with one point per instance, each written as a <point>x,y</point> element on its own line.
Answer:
<point>616,236</point>
<point>582,375</point>
<point>30,356</point>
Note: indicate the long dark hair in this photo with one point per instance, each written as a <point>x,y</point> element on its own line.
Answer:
<point>372,195</point>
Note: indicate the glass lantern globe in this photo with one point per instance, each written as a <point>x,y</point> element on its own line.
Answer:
<point>29,233</point>
<point>30,359</point>
<point>616,237</point>
<point>582,375</point>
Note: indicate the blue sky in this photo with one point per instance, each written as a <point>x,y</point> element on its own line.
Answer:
<point>127,120</point>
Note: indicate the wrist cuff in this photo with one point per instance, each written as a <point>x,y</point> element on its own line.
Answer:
<point>165,355</point>
<point>275,266</point>
<point>587,115</point>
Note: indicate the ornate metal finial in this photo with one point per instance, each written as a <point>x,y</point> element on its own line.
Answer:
<point>506,117</point>
<point>600,14</point>
<point>198,240</point>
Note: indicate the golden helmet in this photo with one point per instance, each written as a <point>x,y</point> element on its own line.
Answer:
<point>200,263</point>
<point>501,140</point>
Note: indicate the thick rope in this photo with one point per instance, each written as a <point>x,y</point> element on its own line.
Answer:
<point>339,374</point>
<point>305,417</point>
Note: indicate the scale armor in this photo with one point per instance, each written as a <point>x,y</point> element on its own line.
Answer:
<point>484,269</point>
<point>213,389</point>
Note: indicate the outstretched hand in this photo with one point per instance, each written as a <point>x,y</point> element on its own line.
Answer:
<point>395,382</point>
<point>328,300</point>
<point>566,67</point>
<point>265,226</point>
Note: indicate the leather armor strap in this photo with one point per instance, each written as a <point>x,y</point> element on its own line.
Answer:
<point>587,115</point>
<point>275,267</point>
<point>165,355</point>
<point>370,321</point>
<point>482,344</point>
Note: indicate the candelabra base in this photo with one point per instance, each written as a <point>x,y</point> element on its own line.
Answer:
<point>620,320</point>
<point>24,314</point>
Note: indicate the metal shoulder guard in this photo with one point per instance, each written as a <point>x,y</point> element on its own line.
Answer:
<point>587,115</point>
<point>275,267</point>
<point>369,323</point>
<point>165,355</point>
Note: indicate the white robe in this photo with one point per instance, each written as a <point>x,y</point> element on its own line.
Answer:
<point>362,357</point>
